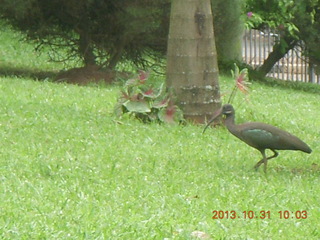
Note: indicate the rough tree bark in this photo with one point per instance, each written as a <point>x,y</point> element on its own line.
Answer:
<point>192,70</point>
<point>85,49</point>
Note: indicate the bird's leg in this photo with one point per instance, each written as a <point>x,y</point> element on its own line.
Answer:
<point>265,159</point>
<point>274,155</point>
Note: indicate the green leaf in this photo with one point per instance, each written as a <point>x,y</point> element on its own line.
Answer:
<point>137,106</point>
<point>131,83</point>
<point>161,103</point>
<point>171,114</point>
<point>152,93</point>
<point>118,109</point>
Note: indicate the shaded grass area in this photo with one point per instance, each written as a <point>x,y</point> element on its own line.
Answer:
<point>20,58</point>
<point>27,73</point>
<point>69,169</point>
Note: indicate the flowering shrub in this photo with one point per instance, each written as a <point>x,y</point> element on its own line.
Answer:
<point>146,102</point>
<point>241,82</point>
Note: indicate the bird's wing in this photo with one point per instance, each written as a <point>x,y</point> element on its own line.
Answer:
<point>263,136</point>
<point>259,138</point>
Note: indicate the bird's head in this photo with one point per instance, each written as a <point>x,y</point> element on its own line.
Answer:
<point>226,110</point>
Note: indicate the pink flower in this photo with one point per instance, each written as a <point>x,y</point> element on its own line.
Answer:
<point>170,112</point>
<point>249,14</point>
<point>149,92</point>
<point>241,83</point>
<point>143,76</point>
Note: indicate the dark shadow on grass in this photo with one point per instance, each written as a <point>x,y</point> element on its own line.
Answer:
<point>27,73</point>
<point>314,168</point>
<point>79,76</point>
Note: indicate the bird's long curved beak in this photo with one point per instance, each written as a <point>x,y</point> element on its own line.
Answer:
<point>215,116</point>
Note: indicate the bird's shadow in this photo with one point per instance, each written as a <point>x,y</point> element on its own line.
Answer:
<point>314,168</point>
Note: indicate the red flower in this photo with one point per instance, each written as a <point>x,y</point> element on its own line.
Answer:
<point>149,92</point>
<point>143,76</point>
<point>241,83</point>
<point>170,112</point>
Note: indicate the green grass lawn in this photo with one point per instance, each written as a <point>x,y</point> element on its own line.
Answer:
<point>69,169</point>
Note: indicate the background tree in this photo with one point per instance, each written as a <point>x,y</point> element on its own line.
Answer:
<point>296,22</point>
<point>100,32</point>
<point>192,70</point>
<point>104,32</point>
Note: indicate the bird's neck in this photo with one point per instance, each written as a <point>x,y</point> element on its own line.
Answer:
<point>229,122</point>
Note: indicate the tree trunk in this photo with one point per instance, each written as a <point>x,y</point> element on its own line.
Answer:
<point>192,70</point>
<point>86,49</point>
<point>278,52</point>
<point>228,30</point>
<point>116,54</point>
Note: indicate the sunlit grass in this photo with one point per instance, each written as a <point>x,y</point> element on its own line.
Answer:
<point>70,170</point>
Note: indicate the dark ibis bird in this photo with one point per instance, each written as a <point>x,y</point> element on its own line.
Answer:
<point>260,135</point>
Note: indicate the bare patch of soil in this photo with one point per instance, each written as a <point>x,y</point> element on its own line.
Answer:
<point>89,74</point>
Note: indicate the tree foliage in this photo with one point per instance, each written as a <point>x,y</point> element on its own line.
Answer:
<point>105,32</point>
<point>100,31</point>
<point>296,21</point>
